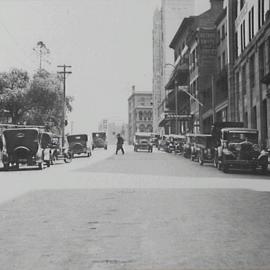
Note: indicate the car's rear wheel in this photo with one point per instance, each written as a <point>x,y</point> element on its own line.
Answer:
<point>6,167</point>
<point>40,166</point>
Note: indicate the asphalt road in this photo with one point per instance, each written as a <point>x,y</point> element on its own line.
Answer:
<point>134,211</point>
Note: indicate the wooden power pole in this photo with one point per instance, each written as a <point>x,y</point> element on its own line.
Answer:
<point>64,72</point>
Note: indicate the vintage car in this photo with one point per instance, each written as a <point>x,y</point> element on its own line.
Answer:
<point>188,147</point>
<point>22,146</point>
<point>239,149</point>
<point>142,141</point>
<point>163,143</point>
<point>179,142</point>
<point>154,139</point>
<point>58,151</point>
<point>99,140</point>
<point>203,149</point>
<point>78,145</point>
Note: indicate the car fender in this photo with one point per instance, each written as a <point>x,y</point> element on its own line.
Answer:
<point>46,154</point>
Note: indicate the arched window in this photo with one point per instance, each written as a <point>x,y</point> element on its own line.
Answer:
<point>142,128</point>
<point>140,116</point>
<point>149,116</point>
<point>149,128</point>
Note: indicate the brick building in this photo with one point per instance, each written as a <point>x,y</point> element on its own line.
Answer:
<point>195,56</point>
<point>140,113</point>
<point>165,23</point>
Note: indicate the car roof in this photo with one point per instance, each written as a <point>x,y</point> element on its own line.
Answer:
<point>74,135</point>
<point>17,129</point>
<point>145,134</point>
<point>243,130</point>
<point>198,135</point>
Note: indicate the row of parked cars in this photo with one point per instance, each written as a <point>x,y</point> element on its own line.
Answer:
<point>229,146</point>
<point>32,146</point>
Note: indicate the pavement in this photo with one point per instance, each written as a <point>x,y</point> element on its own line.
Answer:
<point>134,211</point>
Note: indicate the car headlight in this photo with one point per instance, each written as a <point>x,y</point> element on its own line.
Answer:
<point>256,148</point>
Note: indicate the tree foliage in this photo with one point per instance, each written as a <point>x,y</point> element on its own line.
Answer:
<point>35,102</point>
<point>13,91</point>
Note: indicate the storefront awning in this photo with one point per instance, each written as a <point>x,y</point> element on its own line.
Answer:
<point>172,116</point>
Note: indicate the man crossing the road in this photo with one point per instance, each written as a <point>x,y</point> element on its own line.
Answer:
<point>119,145</point>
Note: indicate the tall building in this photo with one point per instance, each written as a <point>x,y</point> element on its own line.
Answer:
<point>252,68</point>
<point>165,23</point>
<point>191,81</point>
<point>140,113</point>
<point>157,67</point>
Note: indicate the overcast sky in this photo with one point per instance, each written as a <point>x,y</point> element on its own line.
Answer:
<point>108,43</point>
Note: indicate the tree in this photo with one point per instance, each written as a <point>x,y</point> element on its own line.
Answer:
<point>13,91</point>
<point>46,98</point>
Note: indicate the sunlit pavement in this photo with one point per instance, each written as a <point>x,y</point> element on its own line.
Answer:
<point>134,211</point>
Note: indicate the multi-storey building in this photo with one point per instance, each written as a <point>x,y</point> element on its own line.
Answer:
<point>195,55</point>
<point>166,22</point>
<point>157,67</point>
<point>140,113</point>
<point>252,68</point>
<point>220,93</point>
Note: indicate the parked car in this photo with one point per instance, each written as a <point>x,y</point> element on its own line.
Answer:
<point>204,149</point>
<point>58,152</point>
<point>46,145</point>
<point>163,143</point>
<point>179,144</point>
<point>188,147</point>
<point>99,140</point>
<point>239,149</point>
<point>22,146</point>
<point>142,141</point>
<point>78,144</point>
<point>154,139</point>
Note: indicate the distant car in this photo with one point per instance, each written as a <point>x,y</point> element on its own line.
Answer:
<point>163,143</point>
<point>142,141</point>
<point>22,146</point>
<point>99,140</point>
<point>78,144</point>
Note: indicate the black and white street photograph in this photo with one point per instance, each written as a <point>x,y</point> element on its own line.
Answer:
<point>135,135</point>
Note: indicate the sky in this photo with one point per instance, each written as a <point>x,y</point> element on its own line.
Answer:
<point>108,43</point>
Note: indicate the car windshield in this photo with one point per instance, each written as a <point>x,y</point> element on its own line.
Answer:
<point>142,138</point>
<point>238,137</point>
<point>77,138</point>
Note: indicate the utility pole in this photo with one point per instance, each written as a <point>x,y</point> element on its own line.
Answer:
<point>64,72</point>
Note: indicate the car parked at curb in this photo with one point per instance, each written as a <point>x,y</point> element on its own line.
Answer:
<point>78,145</point>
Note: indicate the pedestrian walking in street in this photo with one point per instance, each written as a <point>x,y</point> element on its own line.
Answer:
<point>119,145</point>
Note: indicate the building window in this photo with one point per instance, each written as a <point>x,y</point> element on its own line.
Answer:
<point>252,71</point>
<point>260,13</point>
<point>219,63</point>
<point>243,36</point>
<point>223,60</point>
<point>140,116</point>
<point>254,118</point>
<point>218,37</point>
<point>262,61</point>
<point>251,23</point>
<point>223,32</point>
<point>244,80</point>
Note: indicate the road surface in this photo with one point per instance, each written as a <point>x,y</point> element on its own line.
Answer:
<point>134,211</point>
